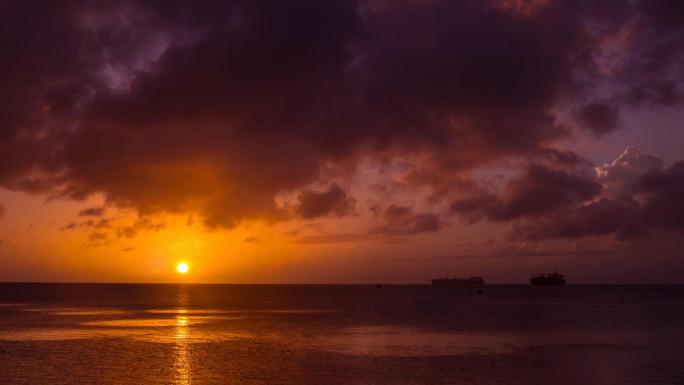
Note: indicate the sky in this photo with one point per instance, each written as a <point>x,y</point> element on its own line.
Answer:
<point>325,141</point>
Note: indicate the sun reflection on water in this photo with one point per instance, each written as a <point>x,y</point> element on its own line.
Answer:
<point>182,364</point>
<point>183,361</point>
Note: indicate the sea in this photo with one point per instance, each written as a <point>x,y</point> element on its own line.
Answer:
<point>340,334</point>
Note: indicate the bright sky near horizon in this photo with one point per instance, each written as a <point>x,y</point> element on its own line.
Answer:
<point>342,141</point>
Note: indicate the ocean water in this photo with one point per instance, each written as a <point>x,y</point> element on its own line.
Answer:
<point>303,334</point>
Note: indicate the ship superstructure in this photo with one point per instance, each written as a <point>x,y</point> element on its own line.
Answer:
<point>548,279</point>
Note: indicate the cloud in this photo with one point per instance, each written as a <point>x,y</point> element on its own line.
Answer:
<point>663,191</point>
<point>619,177</point>
<point>538,192</point>
<point>652,208</point>
<point>332,201</point>
<point>401,220</point>
<point>648,71</point>
<point>69,226</point>
<point>217,108</point>
<point>2,210</point>
<point>101,223</point>
<point>92,212</point>
<point>634,196</point>
<point>251,240</point>
<point>98,237</point>
<point>332,238</point>
<point>624,219</point>
<point>126,232</point>
<point>598,117</point>
<point>143,223</point>
<point>653,92</point>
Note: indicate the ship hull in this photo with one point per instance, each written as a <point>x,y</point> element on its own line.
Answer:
<point>547,282</point>
<point>456,283</point>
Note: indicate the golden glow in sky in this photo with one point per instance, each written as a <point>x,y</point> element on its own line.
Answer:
<point>182,267</point>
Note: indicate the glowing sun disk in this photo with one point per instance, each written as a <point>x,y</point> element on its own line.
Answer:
<point>182,267</point>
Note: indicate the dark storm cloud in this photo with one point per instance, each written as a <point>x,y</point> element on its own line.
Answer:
<point>632,197</point>
<point>655,92</point>
<point>653,73</point>
<point>620,177</point>
<point>216,108</point>
<point>598,117</point>
<point>332,201</point>
<point>401,220</point>
<point>656,205</point>
<point>22,71</point>
<point>623,219</point>
<point>538,192</point>
<point>663,190</point>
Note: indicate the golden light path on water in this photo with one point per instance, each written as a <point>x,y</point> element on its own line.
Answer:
<point>183,361</point>
<point>182,364</point>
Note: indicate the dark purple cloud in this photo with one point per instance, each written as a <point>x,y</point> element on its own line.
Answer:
<point>600,118</point>
<point>620,177</point>
<point>333,201</point>
<point>663,191</point>
<point>634,196</point>
<point>400,220</point>
<point>623,219</point>
<point>662,92</point>
<point>652,74</point>
<point>216,108</point>
<point>538,192</point>
<point>655,206</point>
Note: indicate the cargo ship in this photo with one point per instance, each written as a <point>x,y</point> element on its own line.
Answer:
<point>548,279</point>
<point>471,281</point>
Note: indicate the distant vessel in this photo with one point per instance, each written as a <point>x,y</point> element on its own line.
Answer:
<point>548,279</point>
<point>471,281</point>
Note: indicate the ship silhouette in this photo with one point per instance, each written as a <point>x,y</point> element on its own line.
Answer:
<point>471,281</point>
<point>548,279</point>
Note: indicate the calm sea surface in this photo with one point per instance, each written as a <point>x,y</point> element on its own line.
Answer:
<point>244,334</point>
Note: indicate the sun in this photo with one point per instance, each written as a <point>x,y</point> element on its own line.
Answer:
<point>182,267</point>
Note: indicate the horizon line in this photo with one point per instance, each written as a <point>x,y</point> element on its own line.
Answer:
<point>323,284</point>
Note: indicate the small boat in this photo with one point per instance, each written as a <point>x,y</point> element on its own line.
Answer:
<point>548,279</point>
<point>471,281</point>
